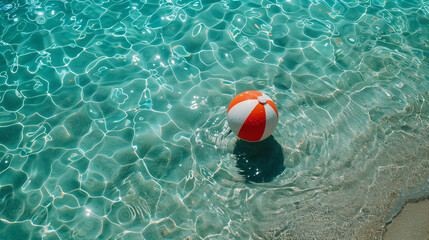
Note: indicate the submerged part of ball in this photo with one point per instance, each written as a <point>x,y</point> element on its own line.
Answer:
<point>252,116</point>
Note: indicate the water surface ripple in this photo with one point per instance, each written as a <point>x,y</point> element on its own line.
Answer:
<point>112,118</point>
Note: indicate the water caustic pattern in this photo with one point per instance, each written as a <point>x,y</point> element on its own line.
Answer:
<point>112,118</point>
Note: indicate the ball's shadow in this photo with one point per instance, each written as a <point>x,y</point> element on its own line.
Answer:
<point>259,162</point>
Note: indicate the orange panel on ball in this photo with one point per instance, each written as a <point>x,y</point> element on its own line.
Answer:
<point>254,126</point>
<point>243,97</point>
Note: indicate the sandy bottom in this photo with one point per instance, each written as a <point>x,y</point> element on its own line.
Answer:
<point>411,223</point>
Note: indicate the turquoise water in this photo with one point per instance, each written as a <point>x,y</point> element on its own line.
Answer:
<point>112,118</point>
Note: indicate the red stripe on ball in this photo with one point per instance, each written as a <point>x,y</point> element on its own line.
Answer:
<point>273,105</point>
<point>248,95</point>
<point>254,126</point>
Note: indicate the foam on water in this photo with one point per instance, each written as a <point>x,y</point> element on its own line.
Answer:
<point>112,118</point>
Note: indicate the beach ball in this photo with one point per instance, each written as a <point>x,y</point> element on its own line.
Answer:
<point>252,116</point>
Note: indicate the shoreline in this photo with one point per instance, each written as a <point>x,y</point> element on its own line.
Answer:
<point>412,222</point>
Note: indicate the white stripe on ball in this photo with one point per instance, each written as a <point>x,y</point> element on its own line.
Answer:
<point>271,120</point>
<point>239,113</point>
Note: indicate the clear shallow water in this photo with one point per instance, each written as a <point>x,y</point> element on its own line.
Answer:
<point>112,121</point>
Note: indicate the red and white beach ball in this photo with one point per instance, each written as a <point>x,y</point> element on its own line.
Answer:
<point>252,116</point>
